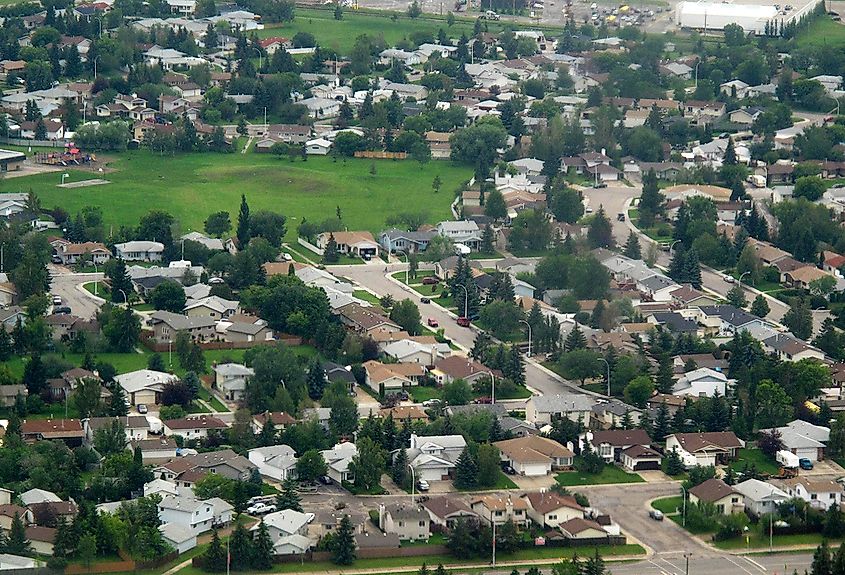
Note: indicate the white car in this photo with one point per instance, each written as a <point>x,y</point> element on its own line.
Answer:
<point>422,485</point>
<point>260,509</point>
<point>309,517</point>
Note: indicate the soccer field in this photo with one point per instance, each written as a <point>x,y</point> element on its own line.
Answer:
<point>191,186</point>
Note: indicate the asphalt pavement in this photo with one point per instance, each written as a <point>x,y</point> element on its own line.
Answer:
<point>68,286</point>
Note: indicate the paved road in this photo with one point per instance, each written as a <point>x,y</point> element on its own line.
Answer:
<point>374,278</point>
<point>66,284</point>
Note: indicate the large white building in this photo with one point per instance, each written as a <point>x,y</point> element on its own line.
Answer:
<point>717,15</point>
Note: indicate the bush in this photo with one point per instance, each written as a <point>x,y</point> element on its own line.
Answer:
<point>771,274</point>
<point>732,526</point>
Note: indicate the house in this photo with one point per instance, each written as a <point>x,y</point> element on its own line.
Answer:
<point>745,116</point>
<point>688,296</point>
<point>41,539</point>
<point>73,253</point>
<point>284,523</point>
<point>705,448</point>
<point>433,457</point>
<point>187,512</point>
<point>802,277</point>
<point>318,147</point>
<point>803,439</point>
<point>9,394</point>
<point>213,307</point>
<point>361,244</point>
<point>136,427</point>
<point>292,545</point>
<point>760,498</point>
<point>276,461</point>
<point>610,444</point>
<point>409,522</point>
<point>716,492</point>
<point>542,409</point>
<point>399,413</point>
<point>583,529</point>
<point>673,321</point>
<point>68,431</point>
<point>280,420</point>
<point>390,378</point>
<point>155,450</point>
<point>411,351</point>
<point>444,511</point>
<point>465,232</point>
<point>516,427</point>
<point>610,413</point>
<point>36,495</point>
<point>223,462</point>
<point>819,493</point>
<point>455,367</point>
<point>702,382</point>
<point>160,486</point>
<point>213,244</point>
<point>549,509</point>
<point>399,241</point>
<point>181,538</point>
<point>364,320</point>
<point>8,512</point>
<point>338,459</point>
<point>726,320</point>
<point>193,427</point>
<point>144,386</point>
<point>49,513</point>
<point>167,325</point>
<point>140,251</point>
<point>232,379</point>
<point>640,458</point>
<point>493,509</point>
<point>534,456</point>
<point>787,347</point>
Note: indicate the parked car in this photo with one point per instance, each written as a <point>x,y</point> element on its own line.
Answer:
<point>142,408</point>
<point>422,485</point>
<point>656,514</point>
<point>509,470</point>
<point>62,309</point>
<point>805,464</point>
<point>620,217</point>
<point>430,281</point>
<point>57,300</point>
<point>425,300</point>
<point>463,321</point>
<point>309,517</point>
<point>325,480</point>
<point>431,402</point>
<point>260,508</point>
<point>432,322</point>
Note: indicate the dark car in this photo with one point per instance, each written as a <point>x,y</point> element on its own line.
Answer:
<point>425,300</point>
<point>325,480</point>
<point>430,281</point>
<point>61,309</point>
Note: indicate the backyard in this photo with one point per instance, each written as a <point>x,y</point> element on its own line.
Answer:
<point>192,186</point>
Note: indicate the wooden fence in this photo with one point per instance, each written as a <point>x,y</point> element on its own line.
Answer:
<point>152,345</point>
<point>381,155</point>
<point>128,564</point>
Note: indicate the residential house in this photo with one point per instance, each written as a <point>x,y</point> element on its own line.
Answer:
<point>364,320</point>
<point>760,498</point>
<point>9,394</point>
<point>494,509</point>
<point>548,509</point>
<point>41,539</point>
<point>73,253</point>
<point>726,320</point>
<point>534,456</point>
<point>409,522</point>
<point>464,232</point>
<point>193,427</point>
<point>610,444</point>
<point>35,495</point>
<point>68,431</point>
<point>136,427</point>
<point>144,386</point>
<point>411,351</point>
<point>168,325</point>
<point>434,457</point>
<point>276,461</point>
<point>583,530</point>
<point>399,241</point>
<point>787,347</point>
<point>181,538</point>
<point>156,450</point>
<point>705,448</point>
<point>804,439</point>
<point>702,382</point>
<point>338,459</point>
<point>232,379</point>
<point>284,523</point>
<point>49,513</point>
<point>444,511</point>
<point>143,251</point>
<point>818,492</point>
<point>391,378</point>
<point>213,307</point>
<point>455,367</point>
<point>361,243</point>
<point>542,409</point>
<point>213,244</point>
<point>8,512</point>
<point>640,458</point>
<point>188,512</point>
<point>399,413</point>
<point>716,492</point>
<point>280,419</point>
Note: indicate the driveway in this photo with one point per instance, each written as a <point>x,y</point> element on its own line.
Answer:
<point>533,483</point>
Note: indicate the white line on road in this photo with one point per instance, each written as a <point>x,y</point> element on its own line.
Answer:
<point>738,565</point>
<point>760,567</point>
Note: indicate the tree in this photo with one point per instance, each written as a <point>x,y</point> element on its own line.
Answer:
<point>240,548</point>
<point>315,379</point>
<point>487,243</point>
<point>774,406</point>
<point>566,203</point>
<point>168,296</point>
<point>760,307</point>
<point>217,224</point>
<point>111,439</point>
<point>639,390</point>
<point>580,364</point>
<point>651,200</point>
<point>118,405</point>
<point>672,463</point>
<point>823,286</point>
<point>736,296</point>
<point>488,461</point>
<point>17,543</point>
<point>214,559</point>
<point>399,468</point>
<point>575,340</point>
<point>310,466</point>
<point>799,319</point>
<point>343,419</point>
<point>457,392</point>
<point>243,231</point>
<point>86,550</point>
<point>770,442</point>
<point>86,397</point>
<point>368,464</point>
<point>406,315</point>
<point>632,247</point>
<point>810,187</point>
<point>330,254</point>
<point>262,549</point>
<point>600,231</point>
<point>343,543</point>
<point>466,470</point>
<point>436,183</point>
<point>120,281</point>
<point>494,206</point>
<point>822,564</point>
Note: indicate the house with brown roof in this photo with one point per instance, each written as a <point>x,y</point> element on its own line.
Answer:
<point>802,277</point>
<point>73,253</point>
<point>358,243</point>
<point>444,511</point>
<point>41,539</point>
<point>280,420</point>
<point>50,513</point>
<point>494,509</point>
<point>640,458</point>
<point>582,529</point>
<point>455,367</point>
<point>716,492</point>
<point>365,320</point>
<point>412,413</point>
<point>193,427</point>
<point>534,456</point>
<point>394,377</point>
<point>67,430</point>
<point>705,448</point>
<point>610,444</point>
<point>549,509</point>
<point>8,512</point>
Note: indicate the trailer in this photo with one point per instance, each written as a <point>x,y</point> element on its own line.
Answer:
<point>787,459</point>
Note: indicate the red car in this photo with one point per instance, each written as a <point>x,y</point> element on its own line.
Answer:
<point>463,321</point>
<point>432,322</point>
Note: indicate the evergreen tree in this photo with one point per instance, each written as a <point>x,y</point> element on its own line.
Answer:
<point>117,402</point>
<point>399,469</point>
<point>466,470</point>
<point>343,544</point>
<point>267,435</point>
<point>632,247</point>
<point>575,340</point>
<point>289,498</point>
<point>262,549</point>
<point>760,307</point>
<point>487,241</point>
<point>596,316</point>
<point>692,268</point>
<point>677,268</point>
<point>665,374</point>
<point>730,154</point>
<point>315,379</point>
<point>799,319</point>
<point>515,368</point>
<point>214,559</point>
<point>600,231</point>
<point>331,255</point>
<point>822,564</point>
<point>661,423</point>
<point>651,200</point>
<point>240,548</point>
<point>6,346</point>
<point>18,544</point>
<point>243,231</point>
<point>672,463</point>
<point>736,296</point>
<point>120,281</point>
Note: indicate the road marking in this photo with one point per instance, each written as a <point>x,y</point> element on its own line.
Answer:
<point>674,567</point>
<point>756,564</point>
<point>738,565</point>
<point>659,568</point>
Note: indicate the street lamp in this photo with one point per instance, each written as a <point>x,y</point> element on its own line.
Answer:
<point>413,482</point>
<point>684,512</point>
<point>466,299</point>
<point>492,387</point>
<point>672,245</point>
<point>125,299</point>
<point>742,275</point>
<point>95,276</point>
<point>529,335</point>
<point>63,178</point>
<point>608,374</point>
<point>407,269</point>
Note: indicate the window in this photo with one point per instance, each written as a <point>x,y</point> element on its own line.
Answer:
<point>499,513</point>
<point>833,496</point>
<point>552,517</point>
<point>813,496</point>
<point>401,524</point>
<point>422,523</point>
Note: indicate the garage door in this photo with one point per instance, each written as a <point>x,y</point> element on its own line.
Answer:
<point>646,466</point>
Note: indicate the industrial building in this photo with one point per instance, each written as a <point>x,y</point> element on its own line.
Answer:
<point>717,15</point>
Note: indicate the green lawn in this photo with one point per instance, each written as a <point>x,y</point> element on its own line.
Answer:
<point>502,482</point>
<point>757,457</point>
<point>212,400</point>
<point>756,540</point>
<point>341,35</point>
<point>822,31</point>
<point>421,393</point>
<point>609,474</point>
<point>191,186</point>
<point>366,296</point>
<point>101,291</point>
<point>668,505</point>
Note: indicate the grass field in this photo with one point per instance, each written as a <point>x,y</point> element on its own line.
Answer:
<point>756,540</point>
<point>609,474</point>
<point>823,31</point>
<point>191,186</point>
<point>502,482</point>
<point>340,35</point>
<point>758,458</point>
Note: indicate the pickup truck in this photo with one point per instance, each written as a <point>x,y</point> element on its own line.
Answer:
<point>260,509</point>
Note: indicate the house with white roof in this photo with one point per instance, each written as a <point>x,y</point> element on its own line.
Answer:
<point>702,382</point>
<point>338,459</point>
<point>232,379</point>
<point>284,523</point>
<point>760,498</point>
<point>804,439</point>
<point>213,306</point>
<point>410,351</point>
<point>144,385</point>
<point>464,232</point>
<point>138,250</point>
<point>541,409</point>
<point>188,512</point>
<point>35,495</point>
<point>214,244</point>
<point>434,457</point>
<point>276,461</point>
<point>181,538</point>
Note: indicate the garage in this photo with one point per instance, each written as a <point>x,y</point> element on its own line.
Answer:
<point>531,469</point>
<point>640,458</point>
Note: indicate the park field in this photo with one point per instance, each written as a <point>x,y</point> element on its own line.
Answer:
<point>191,186</point>
<point>822,31</point>
<point>340,35</point>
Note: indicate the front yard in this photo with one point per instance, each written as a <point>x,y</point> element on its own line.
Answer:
<point>608,474</point>
<point>756,458</point>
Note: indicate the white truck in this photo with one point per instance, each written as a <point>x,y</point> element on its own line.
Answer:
<point>757,180</point>
<point>787,459</point>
